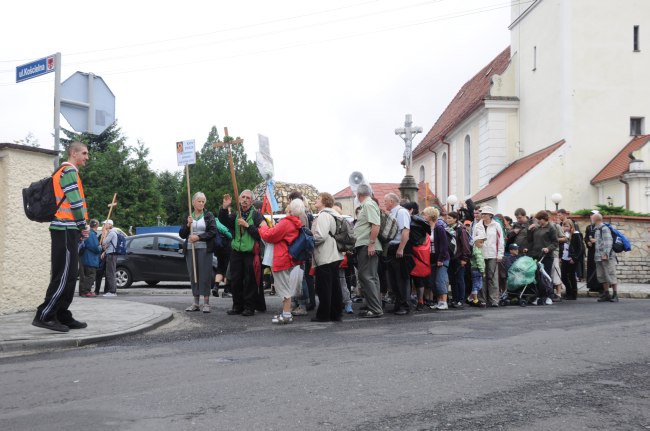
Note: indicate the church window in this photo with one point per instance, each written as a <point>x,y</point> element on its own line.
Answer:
<point>637,126</point>
<point>443,170</point>
<point>636,38</point>
<point>421,173</point>
<point>534,58</point>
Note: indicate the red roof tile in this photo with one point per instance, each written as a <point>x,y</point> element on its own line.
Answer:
<point>620,164</point>
<point>513,172</point>
<point>467,100</point>
<point>381,189</point>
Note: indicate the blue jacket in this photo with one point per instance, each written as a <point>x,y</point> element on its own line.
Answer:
<point>93,251</point>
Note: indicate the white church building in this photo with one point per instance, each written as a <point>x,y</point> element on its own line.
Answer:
<point>562,110</point>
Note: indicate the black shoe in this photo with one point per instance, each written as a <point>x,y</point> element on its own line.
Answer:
<point>215,292</point>
<point>316,319</point>
<point>401,312</point>
<point>233,312</point>
<point>75,324</point>
<point>52,325</point>
<point>248,313</point>
<point>604,298</point>
<point>614,298</point>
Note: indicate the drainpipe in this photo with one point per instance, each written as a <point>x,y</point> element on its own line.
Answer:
<point>627,193</point>
<point>435,177</point>
<point>448,169</point>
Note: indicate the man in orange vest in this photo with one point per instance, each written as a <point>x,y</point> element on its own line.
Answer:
<point>66,230</point>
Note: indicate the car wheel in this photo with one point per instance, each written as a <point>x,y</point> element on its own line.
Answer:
<point>123,278</point>
<point>152,282</point>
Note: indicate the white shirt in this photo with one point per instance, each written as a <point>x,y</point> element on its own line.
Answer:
<point>403,222</point>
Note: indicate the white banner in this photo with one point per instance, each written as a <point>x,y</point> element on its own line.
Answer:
<point>185,152</point>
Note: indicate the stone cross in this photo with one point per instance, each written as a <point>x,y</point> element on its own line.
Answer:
<point>407,133</point>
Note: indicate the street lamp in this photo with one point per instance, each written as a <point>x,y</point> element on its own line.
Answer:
<point>452,200</point>
<point>610,201</point>
<point>556,198</point>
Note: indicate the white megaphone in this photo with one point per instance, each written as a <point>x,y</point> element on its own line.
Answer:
<point>355,180</point>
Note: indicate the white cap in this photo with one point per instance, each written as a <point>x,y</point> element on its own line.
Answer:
<point>487,210</point>
<point>108,221</point>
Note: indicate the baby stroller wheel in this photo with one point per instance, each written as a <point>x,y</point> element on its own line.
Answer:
<point>523,302</point>
<point>503,302</point>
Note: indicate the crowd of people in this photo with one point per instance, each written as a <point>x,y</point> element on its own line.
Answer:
<point>468,256</point>
<point>434,259</point>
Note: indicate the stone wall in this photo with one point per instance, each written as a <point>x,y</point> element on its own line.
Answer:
<point>633,266</point>
<point>25,251</point>
<point>282,191</point>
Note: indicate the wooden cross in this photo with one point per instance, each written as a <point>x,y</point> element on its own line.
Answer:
<point>110,210</point>
<point>229,143</point>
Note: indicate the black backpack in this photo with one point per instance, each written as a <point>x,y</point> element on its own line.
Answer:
<point>39,200</point>
<point>420,230</point>
<point>344,235</point>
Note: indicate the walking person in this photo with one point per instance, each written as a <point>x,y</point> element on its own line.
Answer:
<point>398,254</point>
<point>109,245</point>
<point>89,261</point>
<point>592,281</point>
<point>367,249</point>
<point>605,258</point>
<point>66,229</point>
<point>459,260</point>
<point>243,224</point>
<point>572,253</point>
<point>199,232</point>
<point>439,257</point>
<point>327,260</point>
<point>493,250</point>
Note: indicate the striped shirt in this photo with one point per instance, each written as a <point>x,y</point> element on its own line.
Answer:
<point>70,185</point>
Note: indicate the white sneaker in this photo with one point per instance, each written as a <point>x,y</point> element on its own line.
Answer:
<point>299,311</point>
<point>441,306</point>
<point>549,301</point>
<point>109,294</point>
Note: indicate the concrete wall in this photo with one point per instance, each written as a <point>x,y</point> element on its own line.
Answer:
<point>633,266</point>
<point>25,251</point>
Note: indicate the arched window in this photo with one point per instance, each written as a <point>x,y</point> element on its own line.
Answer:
<point>421,173</point>
<point>443,180</point>
<point>468,167</point>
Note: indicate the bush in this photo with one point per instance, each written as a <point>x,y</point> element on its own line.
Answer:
<point>611,210</point>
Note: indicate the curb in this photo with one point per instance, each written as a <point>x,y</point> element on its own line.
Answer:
<point>37,345</point>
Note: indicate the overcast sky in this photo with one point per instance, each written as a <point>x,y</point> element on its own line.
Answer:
<point>327,82</point>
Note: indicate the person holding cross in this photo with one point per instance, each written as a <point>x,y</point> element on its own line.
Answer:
<point>243,222</point>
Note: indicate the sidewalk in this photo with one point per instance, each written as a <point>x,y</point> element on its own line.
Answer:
<point>106,318</point>
<point>627,290</point>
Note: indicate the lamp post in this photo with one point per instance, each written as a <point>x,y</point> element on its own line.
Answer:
<point>556,198</point>
<point>452,200</point>
<point>610,201</point>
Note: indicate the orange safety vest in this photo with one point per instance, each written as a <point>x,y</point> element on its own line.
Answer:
<point>64,212</point>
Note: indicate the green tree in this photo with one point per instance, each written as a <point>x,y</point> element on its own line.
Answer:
<point>211,173</point>
<point>114,167</point>
<point>170,185</point>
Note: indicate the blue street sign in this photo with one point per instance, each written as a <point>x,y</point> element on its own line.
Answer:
<point>35,68</point>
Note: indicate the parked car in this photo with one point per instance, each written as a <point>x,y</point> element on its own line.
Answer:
<point>152,258</point>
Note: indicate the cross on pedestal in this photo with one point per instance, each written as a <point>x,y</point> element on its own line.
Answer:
<point>407,133</point>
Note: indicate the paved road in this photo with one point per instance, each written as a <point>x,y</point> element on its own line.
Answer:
<point>572,366</point>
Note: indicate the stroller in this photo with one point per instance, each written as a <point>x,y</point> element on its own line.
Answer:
<point>527,281</point>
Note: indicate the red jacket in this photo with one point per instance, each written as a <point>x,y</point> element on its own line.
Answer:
<point>281,235</point>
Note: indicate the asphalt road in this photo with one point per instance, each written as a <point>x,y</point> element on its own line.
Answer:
<point>571,366</point>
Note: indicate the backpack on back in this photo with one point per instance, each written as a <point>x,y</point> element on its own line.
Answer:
<point>620,242</point>
<point>420,230</point>
<point>344,235</point>
<point>303,246</point>
<point>387,228</point>
<point>120,247</point>
<point>39,200</point>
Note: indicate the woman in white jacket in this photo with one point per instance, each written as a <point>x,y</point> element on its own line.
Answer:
<point>492,249</point>
<point>327,260</point>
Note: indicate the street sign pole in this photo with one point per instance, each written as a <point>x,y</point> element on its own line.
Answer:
<point>57,108</point>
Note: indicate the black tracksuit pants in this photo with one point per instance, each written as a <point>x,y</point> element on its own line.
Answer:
<point>64,272</point>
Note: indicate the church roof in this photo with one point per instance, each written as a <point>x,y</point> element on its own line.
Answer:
<point>620,164</point>
<point>513,172</point>
<point>470,97</point>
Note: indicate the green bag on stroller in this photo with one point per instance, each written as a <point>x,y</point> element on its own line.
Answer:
<point>521,273</point>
